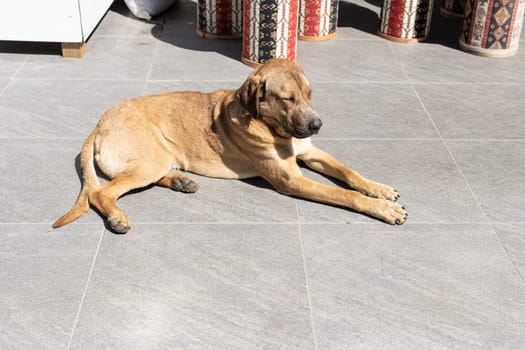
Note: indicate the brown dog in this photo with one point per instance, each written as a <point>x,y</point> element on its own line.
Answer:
<point>261,129</point>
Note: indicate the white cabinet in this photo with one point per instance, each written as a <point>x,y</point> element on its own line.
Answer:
<point>69,22</point>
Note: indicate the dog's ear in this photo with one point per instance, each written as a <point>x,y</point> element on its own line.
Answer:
<point>251,92</point>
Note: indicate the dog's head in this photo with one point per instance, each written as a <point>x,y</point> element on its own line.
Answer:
<point>279,94</point>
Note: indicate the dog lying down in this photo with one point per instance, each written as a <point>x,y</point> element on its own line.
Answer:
<point>261,129</point>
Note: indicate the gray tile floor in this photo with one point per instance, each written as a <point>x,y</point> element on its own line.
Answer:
<point>238,266</point>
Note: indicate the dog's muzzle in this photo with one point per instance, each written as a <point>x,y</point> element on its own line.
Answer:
<point>311,128</point>
<point>308,123</point>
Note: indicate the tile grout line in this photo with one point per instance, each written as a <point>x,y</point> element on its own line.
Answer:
<point>134,80</point>
<point>488,222</point>
<point>354,82</point>
<point>5,87</point>
<point>153,57</point>
<point>84,292</point>
<point>288,223</point>
<point>469,187</point>
<point>11,78</point>
<point>398,139</point>
<point>306,280</point>
<point>81,79</point>
<point>42,137</point>
<point>415,139</point>
<point>307,285</point>
<point>415,82</point>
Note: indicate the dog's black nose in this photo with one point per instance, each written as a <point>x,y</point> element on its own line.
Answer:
<point>315,125</point>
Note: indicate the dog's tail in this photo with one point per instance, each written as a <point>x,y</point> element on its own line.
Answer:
<point>89,182</point>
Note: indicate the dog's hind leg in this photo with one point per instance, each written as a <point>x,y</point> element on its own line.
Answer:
<point>105,198</point>
<point>178,182</point>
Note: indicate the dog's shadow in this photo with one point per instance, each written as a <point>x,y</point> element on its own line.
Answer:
<point>263,184</point>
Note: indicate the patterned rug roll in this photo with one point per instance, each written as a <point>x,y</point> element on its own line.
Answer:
<point>219,19</point>
<point>492,27</point>
<point>318,19</point>
<point>270,30</point>
<point>405,20</point>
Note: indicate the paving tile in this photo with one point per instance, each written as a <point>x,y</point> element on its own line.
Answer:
<point>348,110</point>
<point>38,180</point>
<point>371,110</point>
<point>215,59</point>
<point>496,172</point>
<point>223,268</point>
<point>10,63</point>
<point>356,60</point>
<point>453,65</point>
<point>119,21</point>
<point>217,200</point>
<point>197,287</point>
<point>155,87</point>
<point>512,237</point>
<point>423,172</point>
<point>466,111</point>
<point>178,57</point>
<point>412,287</point>
<point>28,165</point>
<point>127,58</point>
<point>358,20</point>
<point>3,85</point>
<point>180,20</point>
<point>60,107</point>
<point>43,278</point>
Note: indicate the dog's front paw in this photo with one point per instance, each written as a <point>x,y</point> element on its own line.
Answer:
<point>391,212</point>
<point>381,191</point>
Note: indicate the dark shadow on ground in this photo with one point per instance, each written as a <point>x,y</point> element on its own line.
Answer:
<point>352,15</point>
<point>177,26</point>
<point>443,31</point>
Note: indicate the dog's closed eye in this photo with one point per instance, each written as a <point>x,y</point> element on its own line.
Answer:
<point>288,98</point>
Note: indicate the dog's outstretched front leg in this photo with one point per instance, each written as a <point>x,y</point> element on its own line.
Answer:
<point>322,162</point>
<point>300,186</point>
